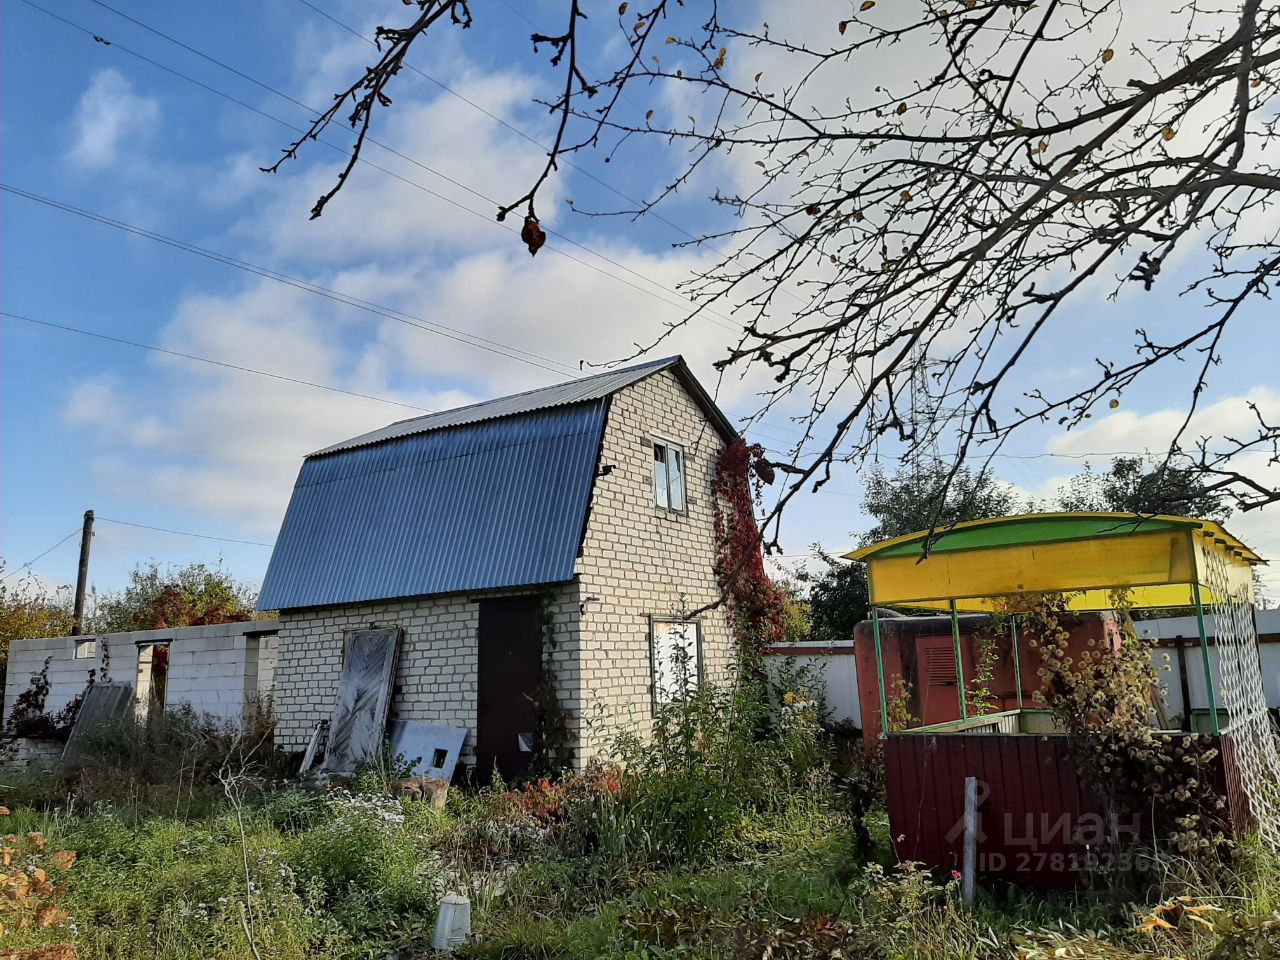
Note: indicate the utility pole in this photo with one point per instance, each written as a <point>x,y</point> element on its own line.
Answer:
<point>82,579</point>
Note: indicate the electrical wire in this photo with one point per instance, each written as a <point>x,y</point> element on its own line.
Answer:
<point>451,333</point>
<point>185,533</point>
<point>217,363</point>
<point>711,315</point>
<point>27,565</point>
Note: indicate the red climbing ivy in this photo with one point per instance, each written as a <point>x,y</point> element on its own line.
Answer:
<point>754,603</point>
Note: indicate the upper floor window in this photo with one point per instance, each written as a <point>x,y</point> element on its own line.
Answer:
<point>668,475</point>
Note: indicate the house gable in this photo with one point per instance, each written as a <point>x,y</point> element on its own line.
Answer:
<point>491,496</point>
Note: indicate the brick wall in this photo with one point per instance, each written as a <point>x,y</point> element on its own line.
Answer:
<point>68,674</point>
<point>642,560</point>
<point>639,561</point>
<point>436,672</point>
<point>212,668</point>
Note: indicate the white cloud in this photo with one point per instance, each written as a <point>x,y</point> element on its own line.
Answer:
<point>1230,416</point>
<point>109,120</point>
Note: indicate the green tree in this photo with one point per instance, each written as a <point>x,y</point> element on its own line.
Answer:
<point>837,597</point>
<point>28,609</point>
<point>901,503</point>
<point>175,596</point>
<point>911,500</point>
<point>1136,485</point>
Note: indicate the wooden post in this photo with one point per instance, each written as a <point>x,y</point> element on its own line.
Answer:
<point>82,578</point>
<point>968,878</point>
<point>1184,685</point>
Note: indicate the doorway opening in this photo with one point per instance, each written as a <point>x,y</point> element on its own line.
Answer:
<point>152,681</point>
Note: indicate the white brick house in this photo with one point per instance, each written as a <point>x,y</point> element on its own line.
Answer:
<point>591,503</point>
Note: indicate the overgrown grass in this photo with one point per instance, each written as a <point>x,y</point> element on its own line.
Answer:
<point>729,838</point>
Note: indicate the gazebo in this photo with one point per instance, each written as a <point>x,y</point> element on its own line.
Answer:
<point>1029,778</point>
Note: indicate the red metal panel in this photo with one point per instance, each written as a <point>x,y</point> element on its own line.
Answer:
<point>1029,811</point>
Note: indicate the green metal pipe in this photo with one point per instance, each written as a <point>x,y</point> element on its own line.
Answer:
<point>1017,658</point>
<point>884,701</point>
<point>1204,653</point>
<point>955,639</point>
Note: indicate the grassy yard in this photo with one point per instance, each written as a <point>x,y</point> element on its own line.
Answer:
<point>707,847</point>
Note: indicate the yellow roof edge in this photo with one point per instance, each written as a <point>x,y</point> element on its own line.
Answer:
<point>1212,526</point>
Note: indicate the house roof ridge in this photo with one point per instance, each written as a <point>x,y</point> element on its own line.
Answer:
<point>593,387</point>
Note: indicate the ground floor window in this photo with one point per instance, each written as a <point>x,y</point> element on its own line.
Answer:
<point>676,647</point>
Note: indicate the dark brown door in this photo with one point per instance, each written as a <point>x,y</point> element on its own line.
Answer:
<point>510,660</point>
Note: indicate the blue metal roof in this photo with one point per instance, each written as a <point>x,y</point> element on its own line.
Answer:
<point>594,387</point>
<point>486,503</point>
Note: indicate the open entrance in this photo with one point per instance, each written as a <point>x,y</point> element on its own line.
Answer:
<point>152,680</point>
<point>510,663</point>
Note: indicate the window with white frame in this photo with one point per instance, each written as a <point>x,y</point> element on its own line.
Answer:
<point>668,475</point>
<point>677,658</point>
<point>85,649</point>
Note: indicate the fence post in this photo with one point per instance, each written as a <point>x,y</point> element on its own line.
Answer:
<point>970,838</point>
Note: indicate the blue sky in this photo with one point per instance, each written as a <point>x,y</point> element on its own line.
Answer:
<point>153,439</point>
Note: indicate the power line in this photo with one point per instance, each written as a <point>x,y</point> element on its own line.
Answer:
<point>27,565</point>
<point>451,333</point>
<point>217,363</point>
<point>185,533</point>
<point>711,315</point>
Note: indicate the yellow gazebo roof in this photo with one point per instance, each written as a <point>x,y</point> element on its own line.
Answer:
<point>1159,558</point>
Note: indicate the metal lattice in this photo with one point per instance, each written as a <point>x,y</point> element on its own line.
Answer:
<point>1250,728</point>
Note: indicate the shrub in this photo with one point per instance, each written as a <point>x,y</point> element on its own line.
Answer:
<point>171,761</point>
<point>366,864</point>
<point>1103,700</point>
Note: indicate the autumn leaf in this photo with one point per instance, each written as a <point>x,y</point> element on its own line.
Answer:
<point>867,5</point>
<point>622,8</point>
<point>671,39</point>
<point>760,164</point>
<point>1114,404</point>
<point>1107,54</point>
<point>902,108</point>
<point>63,859</point>
<point>1168,134</point>
<point>906,196</point>
<point>36,840</point>
<point>533,235</point>
<point>842,26</point>
<point>4,811</point>
<point>719,64</point>
<point>759,75</point>
<point>813,209</point>
<point>648,115</point>
<point>47,915</point>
